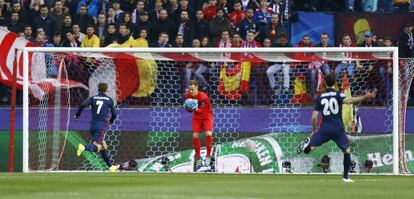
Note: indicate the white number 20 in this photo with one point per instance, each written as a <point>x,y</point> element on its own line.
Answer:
<point>99,103</point>
<point>330,106</point>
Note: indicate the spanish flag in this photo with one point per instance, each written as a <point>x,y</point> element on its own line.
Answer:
<point>299,88</point>
<point>234,81</point>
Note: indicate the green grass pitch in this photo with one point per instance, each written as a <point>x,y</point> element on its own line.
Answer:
<point>200,186</point>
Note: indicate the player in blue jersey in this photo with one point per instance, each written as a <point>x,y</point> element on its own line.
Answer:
<point>100,104</point>
<point>329,104</point>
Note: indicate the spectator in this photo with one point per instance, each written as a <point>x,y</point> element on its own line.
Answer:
<point>364,70</point>
<point>406,41</point>
<point>27,32</point>
<point>324,43</point>
<point>127,20</point>
<point>70,40</point>
<point>236,41</point>
<point>281,7</point>
<point>154,13</point>
<point>368,40</point>
<point>248,24</point>
<point>224,42</point>
<point>200,25</point>
<point>186,29</point>
<point>162,41</point>
<point>14,24</point>
<point>78,34</point>
<point>237,15</point>
<point>124,38</point>
<point>90,40</point>
<point>274,29</point>
<point>163,24</point>
<point>226,6</point>
<point>197,69</point>
<point>44,21</point>
<point>33,12</point>
<point>83,19</point>
<point>127,5</point>
<point>58,14</point>
<point>172,6</point>
<point>316,68</point>
<point>218,25</point>
<point>40,40</point>
<point>104,6</point>
<point>119,13</point>
<point>140,8</point>
<point>385,72</point>
<point>263,16</point>
<point>305,43</point>
<point>22,12</point>
<point>101,27</point>
<point>266,43</point>
<point>282,42</point>
<point>56,40</point>
<point>179,41</point>
<point>253,4</point>
<point>110,35</point>
<point>111,17</point>
<point>4,13</point>
<point>205,42</point>
<point>143,23</point>
<point>380,41</point>
<point>73,6</point>
<point>346,66</point>
<point>67,24</point>
<point>183,7</point>
<point>210,10</point>
<point>142,38</point>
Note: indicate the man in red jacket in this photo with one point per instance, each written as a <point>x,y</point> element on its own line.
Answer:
<point>202,122</point>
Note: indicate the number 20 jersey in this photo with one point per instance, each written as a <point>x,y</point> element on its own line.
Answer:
<point>329,104</point>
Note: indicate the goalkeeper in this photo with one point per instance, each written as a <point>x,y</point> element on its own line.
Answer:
<point>100,104</point>
<point>202,120</point>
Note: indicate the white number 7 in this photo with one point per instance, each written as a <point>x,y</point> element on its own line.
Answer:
<point>99,103</point>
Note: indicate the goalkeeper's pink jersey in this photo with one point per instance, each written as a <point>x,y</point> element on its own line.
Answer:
<point>204,109</point>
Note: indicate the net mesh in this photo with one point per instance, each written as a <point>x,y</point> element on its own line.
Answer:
<point>262,111</point>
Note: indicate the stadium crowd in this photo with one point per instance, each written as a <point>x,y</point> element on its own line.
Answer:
<point>195,23</point>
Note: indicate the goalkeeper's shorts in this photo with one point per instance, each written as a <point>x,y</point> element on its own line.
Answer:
<point>202,125</point>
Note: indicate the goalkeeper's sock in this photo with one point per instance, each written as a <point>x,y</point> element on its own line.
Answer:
<point>347,164</point>
<point>209,144</point>
<point>197,146</point>
<point>105,156</point>
<point>91,147</point>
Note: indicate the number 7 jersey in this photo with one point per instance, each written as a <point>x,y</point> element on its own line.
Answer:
<point>329,104</point>
<point>100,104</point>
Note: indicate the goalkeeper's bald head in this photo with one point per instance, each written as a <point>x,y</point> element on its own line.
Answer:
<point>102,87</point>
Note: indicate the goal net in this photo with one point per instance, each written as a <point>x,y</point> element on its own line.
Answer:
<point>262,101</point>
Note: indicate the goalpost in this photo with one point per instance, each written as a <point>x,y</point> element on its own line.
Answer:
<point>50,100</point>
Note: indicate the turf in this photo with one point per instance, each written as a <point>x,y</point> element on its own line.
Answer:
<point>199,186</point>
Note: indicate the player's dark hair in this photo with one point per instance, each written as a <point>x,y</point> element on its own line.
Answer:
<point>330,79</point>
<point>132,163</point>
<point>193,82</point>
<point>102,87</point>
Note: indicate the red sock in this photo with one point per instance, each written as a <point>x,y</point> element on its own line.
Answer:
<point>209,144</point>
<point>196,145</point>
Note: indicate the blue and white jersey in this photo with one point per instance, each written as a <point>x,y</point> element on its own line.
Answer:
<point>329,104</point>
